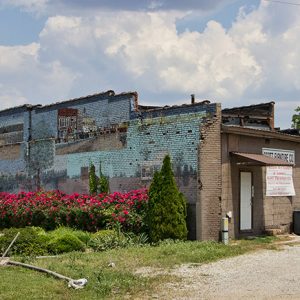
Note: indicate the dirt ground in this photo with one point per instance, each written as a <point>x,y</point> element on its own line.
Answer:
<point>265,274</point>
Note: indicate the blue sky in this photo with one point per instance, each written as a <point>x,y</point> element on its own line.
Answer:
<point>233,52</point>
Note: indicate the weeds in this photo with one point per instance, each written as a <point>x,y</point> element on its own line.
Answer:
<point>105,282</point>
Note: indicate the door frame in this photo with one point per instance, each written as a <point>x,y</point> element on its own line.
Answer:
<point>252,201</point>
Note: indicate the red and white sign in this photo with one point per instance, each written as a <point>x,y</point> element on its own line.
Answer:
<point>280,181</point>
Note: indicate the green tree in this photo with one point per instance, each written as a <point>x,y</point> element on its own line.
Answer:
<point>296,119</point>
<point>103,186</point>
<point>93,180</point>
<point>166,215</point>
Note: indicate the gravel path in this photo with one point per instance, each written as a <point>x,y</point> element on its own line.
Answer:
<point>265,274</point>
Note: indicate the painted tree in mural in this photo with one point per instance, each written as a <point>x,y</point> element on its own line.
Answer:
<point>166,216</point>
<point>93,180</point>
<point>103,186</point>
<point>296,119</point>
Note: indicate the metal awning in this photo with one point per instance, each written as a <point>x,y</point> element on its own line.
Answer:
<point>260,159</point>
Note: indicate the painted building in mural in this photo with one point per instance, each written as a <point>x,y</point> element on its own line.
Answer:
<point>219,157</point>
<point>52,146</point>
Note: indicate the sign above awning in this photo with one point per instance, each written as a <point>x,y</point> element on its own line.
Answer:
<point>286,155</point>
<point>260,159</point>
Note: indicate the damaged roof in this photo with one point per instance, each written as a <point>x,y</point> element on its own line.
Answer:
<point>109,93</point>
<point>259,110</point>
<point>257,116</point>
<point>144,108</point>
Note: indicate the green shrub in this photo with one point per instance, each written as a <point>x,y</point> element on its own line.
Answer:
<point>83,236</point>
<point>65,242</point>
<point>32,241</point>
<point>166,215</point>
<point>107,239</point>
<point>136,239</point>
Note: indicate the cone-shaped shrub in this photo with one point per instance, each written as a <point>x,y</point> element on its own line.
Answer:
<point>166,216</point>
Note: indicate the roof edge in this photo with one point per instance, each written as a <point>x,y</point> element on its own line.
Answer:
<point>259,133</point>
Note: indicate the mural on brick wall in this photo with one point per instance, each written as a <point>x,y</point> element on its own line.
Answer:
<point>11,134</point>
<point>10,138</point>
<point>148,140</point>
<point>74,125</point>
<point>57,143</point>
<point>64,139</point>
<point>77,126</point>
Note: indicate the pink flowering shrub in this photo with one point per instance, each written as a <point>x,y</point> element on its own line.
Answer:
<point>54,208</point>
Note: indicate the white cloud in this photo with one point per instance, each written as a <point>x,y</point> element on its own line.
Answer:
<point>14,58</point>
<point>250,62</point>
<point>24,78</point>
<point>11,96</point>
<point>147,47</point>
<point>276,51</point>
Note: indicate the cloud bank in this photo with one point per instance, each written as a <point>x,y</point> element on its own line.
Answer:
<point>253,61</point>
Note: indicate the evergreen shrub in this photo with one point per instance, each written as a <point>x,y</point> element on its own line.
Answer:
<point>166,215</point>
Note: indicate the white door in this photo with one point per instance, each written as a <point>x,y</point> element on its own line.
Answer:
<point>245,201</point>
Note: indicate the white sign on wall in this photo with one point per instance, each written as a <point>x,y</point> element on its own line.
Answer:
<point>279,181</point>
<point>286,155</point>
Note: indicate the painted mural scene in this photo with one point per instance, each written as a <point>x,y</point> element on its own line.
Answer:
<point>169,166</point>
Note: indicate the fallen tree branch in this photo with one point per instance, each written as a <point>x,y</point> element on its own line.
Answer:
<point>8,248</point>
<point>76,284</point>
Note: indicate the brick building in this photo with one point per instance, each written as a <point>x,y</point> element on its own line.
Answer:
<point>52,147</point>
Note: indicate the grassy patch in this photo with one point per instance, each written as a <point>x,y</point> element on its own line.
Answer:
<point>120,281</point>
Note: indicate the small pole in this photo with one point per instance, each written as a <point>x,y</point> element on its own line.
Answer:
<point>12,242</point>
<point>225,238</point>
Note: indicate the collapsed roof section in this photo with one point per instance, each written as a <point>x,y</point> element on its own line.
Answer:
<point>259,116</point>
